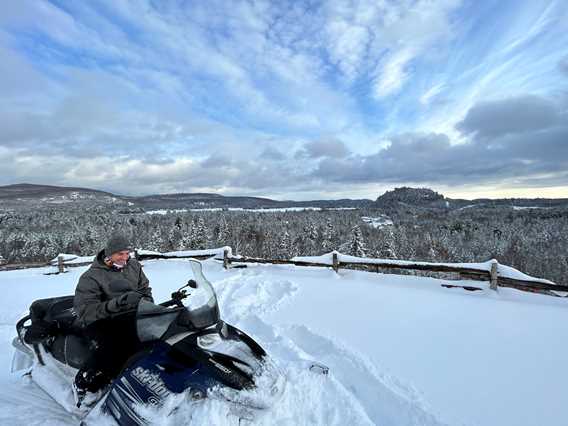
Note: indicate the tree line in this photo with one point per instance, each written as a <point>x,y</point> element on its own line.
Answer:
<point>533,241</point>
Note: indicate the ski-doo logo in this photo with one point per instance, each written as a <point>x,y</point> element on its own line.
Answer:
<point>151,381</point>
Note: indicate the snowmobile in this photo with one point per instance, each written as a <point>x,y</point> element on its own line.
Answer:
<point>189,351</point>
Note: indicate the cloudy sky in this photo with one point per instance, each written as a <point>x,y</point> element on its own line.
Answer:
<point>289,100</point>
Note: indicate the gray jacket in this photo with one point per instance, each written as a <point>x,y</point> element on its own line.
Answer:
<point>100,284</point>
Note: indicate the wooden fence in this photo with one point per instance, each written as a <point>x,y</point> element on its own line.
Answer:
<point>372,265</point>
<point>376,265</point>
<point>61,263</point>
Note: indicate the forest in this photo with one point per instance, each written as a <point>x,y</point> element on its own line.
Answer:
<point>531,240</point>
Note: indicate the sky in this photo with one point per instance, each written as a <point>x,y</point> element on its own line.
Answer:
<point>288,100</point>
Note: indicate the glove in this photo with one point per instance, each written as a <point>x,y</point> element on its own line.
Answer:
<point>177,295</point>
<point>130,299</point>
<point>124,302</point>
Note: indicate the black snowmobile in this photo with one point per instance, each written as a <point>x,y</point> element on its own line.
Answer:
<point>189,351</point>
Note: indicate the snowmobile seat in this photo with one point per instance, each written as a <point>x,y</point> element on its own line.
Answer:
<point>51,317</point>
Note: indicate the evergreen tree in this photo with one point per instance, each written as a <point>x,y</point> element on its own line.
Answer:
<point>224,233</point>
<point>156,240</point>
<point>285,245</point>
<point>386,248</point>
<point>356,245</point>
<point>201,237</point>
<point>328,236</point>
<point>187,236</point>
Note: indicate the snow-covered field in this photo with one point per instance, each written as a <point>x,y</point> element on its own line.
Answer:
<point>402,350</point>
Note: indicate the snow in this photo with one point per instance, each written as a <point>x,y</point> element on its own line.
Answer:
<point>187,253</point>
<point>73,259</point>
<point>530,207</point>
<point>377,222</point>
<point>502,270</point>
<point>402,350</point>
<point>70,259</point>
<point>470,206</point>
<point>240,209</point>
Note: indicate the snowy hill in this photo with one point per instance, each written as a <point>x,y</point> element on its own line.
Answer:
<point>22,196</point>
<point>402,350</point>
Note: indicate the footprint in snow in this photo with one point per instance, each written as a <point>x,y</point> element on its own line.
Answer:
<point>243,296</point>
<point>385,401</point>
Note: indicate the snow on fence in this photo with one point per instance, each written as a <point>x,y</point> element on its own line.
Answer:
<point>64,260</point>
<point>498,275</point>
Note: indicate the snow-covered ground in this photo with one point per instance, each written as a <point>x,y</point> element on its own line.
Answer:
<point>241,209</point>
<point>377,222</point>
<point>402,350</point>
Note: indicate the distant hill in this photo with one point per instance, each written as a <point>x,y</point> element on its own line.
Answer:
<point>26,195</point>
<point>419,197</point>
<point>29,196</point>
<point>28,190</point>
<point>427,199</point>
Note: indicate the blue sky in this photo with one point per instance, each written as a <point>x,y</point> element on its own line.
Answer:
<point>290,100</point>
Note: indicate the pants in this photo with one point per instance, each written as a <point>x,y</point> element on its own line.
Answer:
<point>113,341</point>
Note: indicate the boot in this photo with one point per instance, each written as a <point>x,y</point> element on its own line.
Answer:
<point>88,387</point>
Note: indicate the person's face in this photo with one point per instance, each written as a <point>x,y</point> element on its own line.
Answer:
<point>120,257</point>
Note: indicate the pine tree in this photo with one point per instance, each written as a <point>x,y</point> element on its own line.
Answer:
<point>285,245</point>
<point>224,233</point>
<point>201,236</point>
<point>156,241</point>
<point>328,236</point>
<point>356,245</point>
<point>174,237</point>
<point>386,248</point>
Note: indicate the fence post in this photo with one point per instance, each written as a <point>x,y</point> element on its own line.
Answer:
<point>226,258</point>
<point>60,265</point>
<point>493,278</point>
<point>335,262</point>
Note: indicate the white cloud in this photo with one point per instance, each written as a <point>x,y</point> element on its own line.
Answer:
<point>431,93</point>
<point>382,38</point>
<point>392,74</point>
<point>348,46</point>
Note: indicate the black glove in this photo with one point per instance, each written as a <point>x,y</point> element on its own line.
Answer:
<point>178,295</point>
<point>124,302</point>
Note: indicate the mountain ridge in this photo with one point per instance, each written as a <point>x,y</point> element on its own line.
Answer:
<point>23,195</point>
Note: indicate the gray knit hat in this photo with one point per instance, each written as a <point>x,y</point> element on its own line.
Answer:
<point>117,243</point>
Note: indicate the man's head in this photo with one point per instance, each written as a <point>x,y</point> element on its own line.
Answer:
<point>118,250</point>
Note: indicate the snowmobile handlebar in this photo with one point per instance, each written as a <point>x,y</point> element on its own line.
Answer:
<point>180,294</point>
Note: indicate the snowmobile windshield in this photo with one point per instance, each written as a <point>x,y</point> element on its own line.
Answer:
<point>202,309</point>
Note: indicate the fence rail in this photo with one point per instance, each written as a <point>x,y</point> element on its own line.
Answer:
<point>336,263</point>
<point>61,263</point>
<point>491,275</point>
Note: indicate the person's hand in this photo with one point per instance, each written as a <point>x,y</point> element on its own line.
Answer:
<point>130,299</point>
<point>178,295</point>
<point>124,302</point>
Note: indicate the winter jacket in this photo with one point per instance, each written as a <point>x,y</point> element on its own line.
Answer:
<point>98,293</point>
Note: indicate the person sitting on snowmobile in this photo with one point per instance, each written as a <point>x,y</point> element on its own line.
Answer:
<point>106,299</point>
